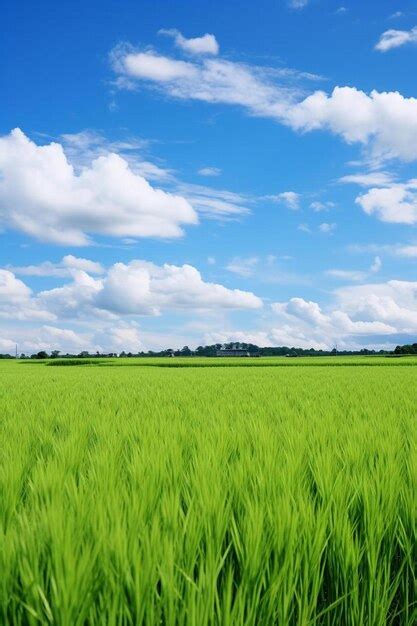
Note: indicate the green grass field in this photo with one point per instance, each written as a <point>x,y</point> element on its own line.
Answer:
<point>278,492</point>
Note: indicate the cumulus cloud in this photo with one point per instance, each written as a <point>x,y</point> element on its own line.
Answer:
<point>76,299</point>
<point>304,324</point>
<point>12,290</point>
<point>206,44</point>
<point>393,303</point>
<point>396,203</point>
<point>126,337</point>
<point>307,318</point>
<point>136,288</point>
<point>369,310</point>
<point>104,306</point>
<point>46,337</point>
<point>393,38</point>
<point>87,145</point>
<point>145,288</point>
<point>385,123</point>
<point>42,196</point>
<point>16,300</point>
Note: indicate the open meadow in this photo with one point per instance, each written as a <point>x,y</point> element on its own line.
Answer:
<point>255,492</point>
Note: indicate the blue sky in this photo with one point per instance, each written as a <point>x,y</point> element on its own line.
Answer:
<point>201,172</point>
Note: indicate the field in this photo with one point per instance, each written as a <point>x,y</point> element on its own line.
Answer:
<point>281,491</point>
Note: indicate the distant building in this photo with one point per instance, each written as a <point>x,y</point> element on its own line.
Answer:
<point>234,350</point>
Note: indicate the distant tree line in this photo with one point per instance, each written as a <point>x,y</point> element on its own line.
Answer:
<point>211,350</point>
<point>406,349</point>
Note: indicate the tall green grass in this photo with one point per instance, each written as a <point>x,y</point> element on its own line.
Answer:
<point>227,496</point>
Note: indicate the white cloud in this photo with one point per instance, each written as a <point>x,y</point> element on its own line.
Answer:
<point>406,251</point>
<point>398,249</point>
<point>41,195</point>
<point>318,206</point>
<point>211,80</point>
<point>393,38</point>
<point>304,228</point>
<point>376,265</point>
<point>327,228</point>
<point>396,15</point>
<point>357,315</point>
<point>244,267</point>
<point>350,275</point>
<point>127,338</point>
<point>136,288</point>
<point>304,324</point>
<point>12,290</point>
<point>147,289</point>
<point>290,199</point>
<point>206,44</point>
<point>308,319</point>
<point>384,123</point>
<point>393,303</point>
<point>368,179</point>
<point>105,307</point>
<point>268,269</point>
<point>16,300</point>
<point>76,299</point>
<point>106,338</point>
<point>63,268</point>
<point>84,147</point>
<point>214,203</point>
<point>47,338</point>
<point>151,66</point>
<point>298,4</point>
<point>209,171</point>
<point>396,203</point>
<point>356,275</point>
<point>308,311</point>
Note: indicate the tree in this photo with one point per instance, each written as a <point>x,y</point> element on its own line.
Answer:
<point>40,355</point>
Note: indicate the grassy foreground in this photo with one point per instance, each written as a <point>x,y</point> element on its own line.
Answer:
<point>200,496</point>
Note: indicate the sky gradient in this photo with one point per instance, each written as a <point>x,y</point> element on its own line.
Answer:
<point>189,173</point>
